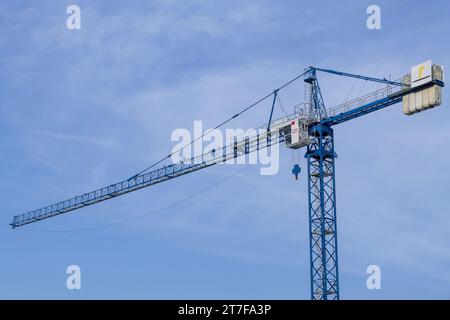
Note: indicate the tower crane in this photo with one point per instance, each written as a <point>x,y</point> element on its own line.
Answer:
<point>310,127</point>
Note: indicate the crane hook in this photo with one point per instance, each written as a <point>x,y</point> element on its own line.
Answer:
<point>296,170</point>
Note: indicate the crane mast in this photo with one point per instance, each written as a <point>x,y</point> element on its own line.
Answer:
<point>309,127</point>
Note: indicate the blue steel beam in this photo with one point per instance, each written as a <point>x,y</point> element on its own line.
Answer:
<point>384,102</point>
<point>322,215</point>
<point>361,111</point>
<point>358,76</point>
<point>318,106</point>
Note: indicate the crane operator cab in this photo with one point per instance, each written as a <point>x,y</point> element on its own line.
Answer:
<point>296,133</point>
<point>296,136</point>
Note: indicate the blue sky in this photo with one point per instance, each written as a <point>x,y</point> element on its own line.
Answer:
<point>80,109</point>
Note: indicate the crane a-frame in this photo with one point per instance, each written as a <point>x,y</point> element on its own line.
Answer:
<point>310,127</point>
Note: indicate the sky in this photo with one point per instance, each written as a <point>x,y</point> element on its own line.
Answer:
<point>80,109</point>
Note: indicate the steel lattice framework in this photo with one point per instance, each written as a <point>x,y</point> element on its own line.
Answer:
<point>322,215</point>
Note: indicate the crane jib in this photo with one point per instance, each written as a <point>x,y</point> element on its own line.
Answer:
<point>147,179</point>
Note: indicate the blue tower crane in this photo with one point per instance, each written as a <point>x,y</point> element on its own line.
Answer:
<point>310,128</point>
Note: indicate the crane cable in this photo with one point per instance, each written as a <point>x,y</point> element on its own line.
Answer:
<point>280,104</point>
<point>351,90</point>
<point>221,124</point>
<point>362,88</point>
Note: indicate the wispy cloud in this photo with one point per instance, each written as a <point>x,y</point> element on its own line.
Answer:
<point>106,143</point>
